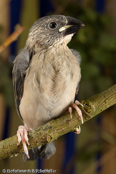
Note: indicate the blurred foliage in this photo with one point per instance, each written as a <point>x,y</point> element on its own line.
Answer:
<point>6,82</point>
<point>6,87</point>
<point>97,48</point>
<point>1,30</point>
<point>88,151</point>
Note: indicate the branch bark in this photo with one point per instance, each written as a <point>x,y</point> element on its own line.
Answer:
<point>60,126</point>
<point>12,37</point>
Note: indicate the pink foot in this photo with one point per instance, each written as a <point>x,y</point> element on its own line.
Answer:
<point>77,130</point>
<point>22,136</point>
<point>75,106</point>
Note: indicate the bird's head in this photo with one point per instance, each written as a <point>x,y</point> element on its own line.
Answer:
<point>51,31</point>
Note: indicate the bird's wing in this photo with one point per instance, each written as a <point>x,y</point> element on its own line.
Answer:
<point>21,64</point>
<point>77,55</point>
<point>78,58</point>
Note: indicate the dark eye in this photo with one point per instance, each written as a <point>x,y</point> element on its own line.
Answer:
<point>52,25</point>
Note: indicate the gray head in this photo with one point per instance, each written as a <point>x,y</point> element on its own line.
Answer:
<point>51,31</point>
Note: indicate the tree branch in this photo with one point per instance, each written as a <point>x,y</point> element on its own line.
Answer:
<point>12,37</point>
<point>62,125</point>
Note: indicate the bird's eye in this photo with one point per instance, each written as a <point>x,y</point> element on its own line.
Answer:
<point>52,25</point>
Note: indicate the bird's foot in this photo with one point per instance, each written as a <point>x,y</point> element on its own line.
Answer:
<point>22,136</point>
<point>77,130</point>
<point>75,106</point>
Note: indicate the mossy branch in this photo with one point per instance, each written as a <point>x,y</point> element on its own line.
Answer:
<point>62,125</point>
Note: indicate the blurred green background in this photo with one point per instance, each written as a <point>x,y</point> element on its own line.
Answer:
<point>94,150</point>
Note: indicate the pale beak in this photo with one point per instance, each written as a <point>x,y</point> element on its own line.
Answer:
<point>64,28</point>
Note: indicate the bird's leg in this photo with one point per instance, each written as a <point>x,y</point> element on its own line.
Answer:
<point>75,106</point>
<point>22,136</point>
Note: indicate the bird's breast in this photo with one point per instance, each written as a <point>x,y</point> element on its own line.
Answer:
<point>49,86</point>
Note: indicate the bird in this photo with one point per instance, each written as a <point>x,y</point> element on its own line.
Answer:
<point>46,76</point>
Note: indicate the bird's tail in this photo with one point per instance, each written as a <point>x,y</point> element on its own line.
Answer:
<point>45,151</point>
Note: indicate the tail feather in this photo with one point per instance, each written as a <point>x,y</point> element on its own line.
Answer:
<point>45,151</point>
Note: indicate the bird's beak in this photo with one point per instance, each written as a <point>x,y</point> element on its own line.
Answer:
<point>64,28</point>
<point>72,26</point>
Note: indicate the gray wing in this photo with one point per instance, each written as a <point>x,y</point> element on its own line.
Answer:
<point>78,57</point>
<point>21,64</point>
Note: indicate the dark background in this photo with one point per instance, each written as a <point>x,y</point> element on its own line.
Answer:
<point>94,150</point>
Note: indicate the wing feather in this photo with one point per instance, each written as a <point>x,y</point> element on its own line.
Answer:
<point>78,58</point>
<point>21,64</point>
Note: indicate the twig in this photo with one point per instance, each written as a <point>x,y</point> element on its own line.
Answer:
<point>62,125</point>
<point>18,30</point>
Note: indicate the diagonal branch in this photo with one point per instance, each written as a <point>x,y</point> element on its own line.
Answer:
<point>62,125</point>
<point>13,37</point>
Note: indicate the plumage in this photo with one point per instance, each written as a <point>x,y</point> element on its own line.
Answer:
<point>46,72</point>
<point>20,67</point>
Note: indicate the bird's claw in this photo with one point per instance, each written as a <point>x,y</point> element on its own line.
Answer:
<point>22,136</point>
<point>75,106</point>
<point>77,130</point>
<point>78,103</point>
<point>70,111</point>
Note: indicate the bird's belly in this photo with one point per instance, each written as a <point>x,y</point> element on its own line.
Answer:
<point>38,110</point>
<point>61,105</point>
